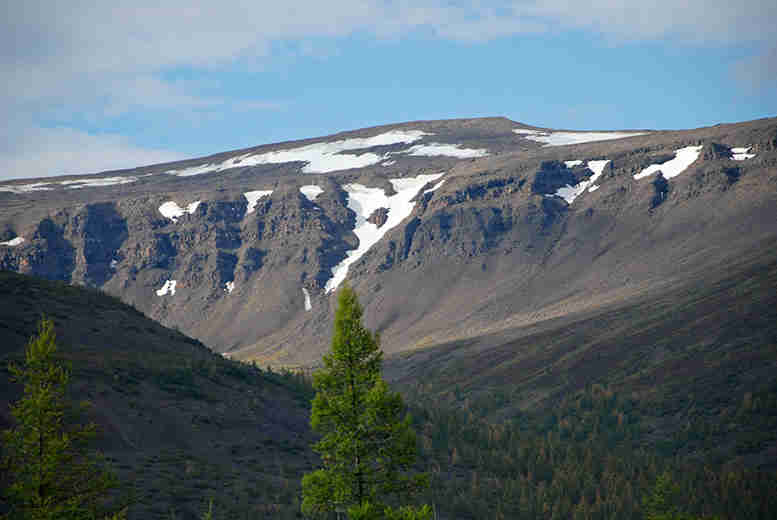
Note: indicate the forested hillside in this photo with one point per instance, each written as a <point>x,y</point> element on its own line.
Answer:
<point>183,426</point>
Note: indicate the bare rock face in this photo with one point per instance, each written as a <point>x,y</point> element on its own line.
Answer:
<point>379,217</point>
<point>661,186</point>
<point>715,151</point>
<point>487,245</point>
<point>551,176</point>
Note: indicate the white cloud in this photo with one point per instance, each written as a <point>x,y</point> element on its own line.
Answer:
<point>43,152</point>
<point>86,59</point>
<point>696,21</point>
<point>83,41</point>
<point>92,52</point>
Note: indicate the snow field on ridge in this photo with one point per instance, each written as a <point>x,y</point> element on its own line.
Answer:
<point>89,183</point>
<point>321,157</point>
<point>448,150</point>
<point>325,157</point>
<point>683,158</point>
<point>70,185</point>
<point>26,188</point>
<point>364,201</point>
<point>435,187</point>
<point>565,138</point>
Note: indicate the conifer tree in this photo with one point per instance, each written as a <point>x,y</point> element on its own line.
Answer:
<point>367,448</point>
<point>51,474</point>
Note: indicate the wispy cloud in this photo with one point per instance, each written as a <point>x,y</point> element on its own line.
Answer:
<point>104,60</point>
<point>81,41</point>
<point>84,51</point>
<point>43,152</point>
<point>150,92</point>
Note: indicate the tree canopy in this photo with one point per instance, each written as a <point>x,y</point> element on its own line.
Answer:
<point>52,475</point>
<point>367,445</point>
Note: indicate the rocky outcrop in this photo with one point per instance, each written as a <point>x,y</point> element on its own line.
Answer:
<point>379,217</point>
<point>551,176</point>
<point>492,242</point>
<point>715,151</point>
<point>661,187</point>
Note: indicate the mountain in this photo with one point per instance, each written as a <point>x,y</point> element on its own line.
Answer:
<point>450,231</point>
<point>180,424</point>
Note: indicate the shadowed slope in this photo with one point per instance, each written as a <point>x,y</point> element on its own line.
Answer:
<point>693,351</point>
<point>180,423</point>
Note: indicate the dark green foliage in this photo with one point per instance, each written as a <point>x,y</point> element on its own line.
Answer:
<point>52,473</point>
<point>367,448</point>
<point>180,424</point>
<point>588,457</point>
<point>662,502</point>
<point>595,452</point>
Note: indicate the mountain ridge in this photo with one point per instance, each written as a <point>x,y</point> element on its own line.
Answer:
<point>494,241</point>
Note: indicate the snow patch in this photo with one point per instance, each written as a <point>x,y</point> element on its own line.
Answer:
<point>308,306</point>
<point>449,150</point>
<point>311,191</point>
<point>13,242</point>
<point>565,138</point>
<point>90,183</point>
<point>203,168</point>
<point>167,288</point>
<point>229,287</point>
<point>740,153</point>
<point>570,193</point>
<point>173,211</point>
<point>71,185</point>
<point>388,163</point>
<point>114,263</point>
<point>572,164</point>
<point>27,188</point>
<point>319,157</point>
<point>364,201</point>
<point>684,157</point>
<point>253,198</point>
<point>523,131</point>
<point>434,188</point>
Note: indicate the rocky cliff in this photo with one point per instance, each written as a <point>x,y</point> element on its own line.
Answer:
<point>447,229</point>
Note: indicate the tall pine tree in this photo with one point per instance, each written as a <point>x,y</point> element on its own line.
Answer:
<point>367,447</point>
<point>52,475</point>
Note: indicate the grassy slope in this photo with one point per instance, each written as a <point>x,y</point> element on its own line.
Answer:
<point>692,353</point>
<point>180,424</point>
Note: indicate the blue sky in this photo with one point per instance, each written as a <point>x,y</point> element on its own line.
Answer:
<point>90,86</point>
